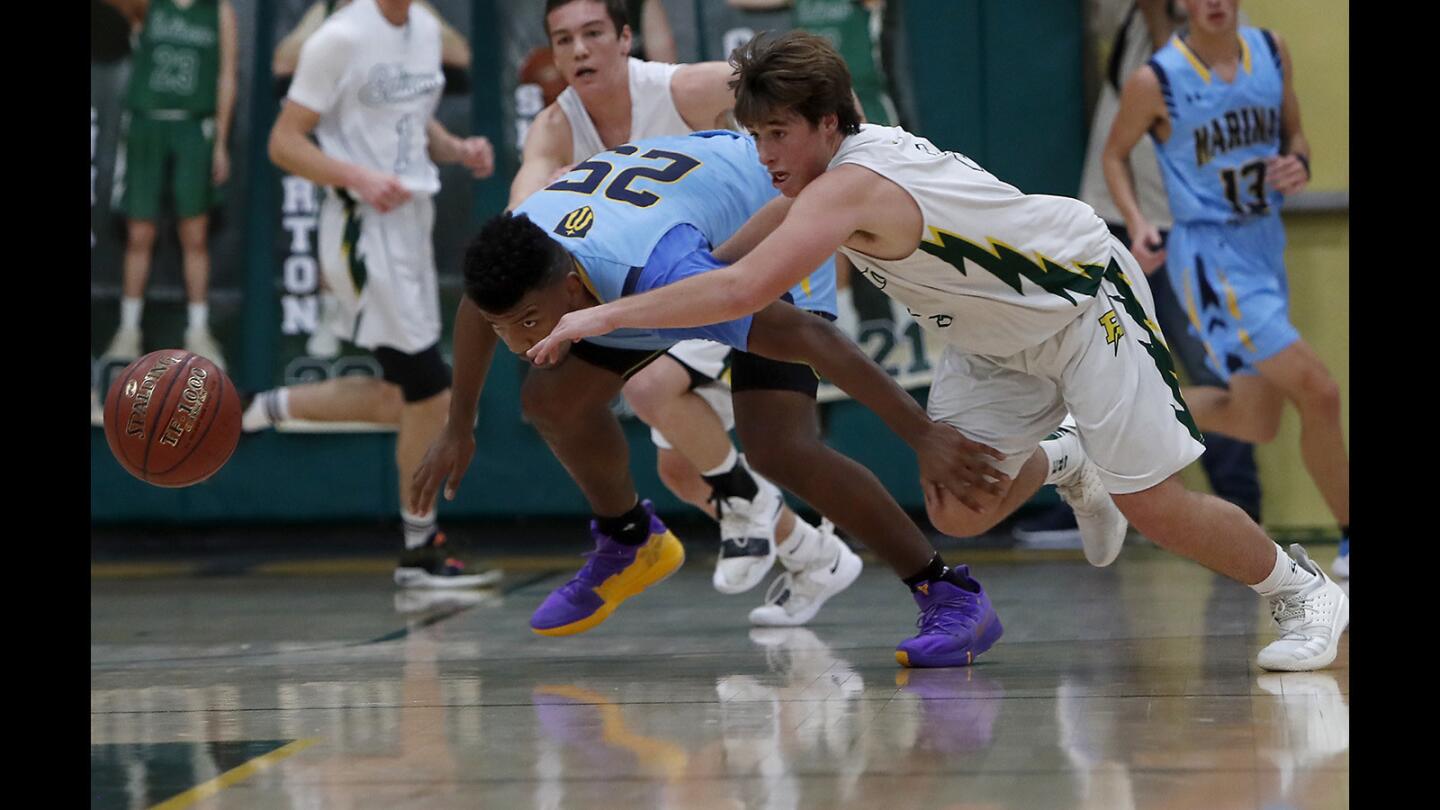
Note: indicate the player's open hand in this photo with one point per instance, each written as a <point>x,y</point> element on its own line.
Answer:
<point>444,463</point>
<point>477,155</point>
<point>383,192</point>
<point>1287,174</point>
<point>961,466</point>
<point>581,323</point>
<point>1148,247</point>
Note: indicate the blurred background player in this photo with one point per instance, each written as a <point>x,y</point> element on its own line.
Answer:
<point>366,83</point>
<point>179,105</point>
<point>373,400</point>
<point>853,27</point>
<point>1219,102</point>
<point>1228,463</point>
<point>613,98</point>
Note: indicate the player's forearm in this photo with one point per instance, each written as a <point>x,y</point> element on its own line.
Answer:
<point>474,346</point>
<point>298,155</point>
<point>1121,182</point>
<point>442,146</point>
<point>714,297</point>
<point>809,339</point>
<point>224,108</point>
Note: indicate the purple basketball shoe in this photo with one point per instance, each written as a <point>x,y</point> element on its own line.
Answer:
<point>955,625</point>
<point>614,573</point>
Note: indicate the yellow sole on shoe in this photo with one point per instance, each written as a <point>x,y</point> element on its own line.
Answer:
<point>663,554</point>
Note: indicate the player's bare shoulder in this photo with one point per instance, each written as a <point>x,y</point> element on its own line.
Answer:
<point>550,135</point>
<point>701,92</point>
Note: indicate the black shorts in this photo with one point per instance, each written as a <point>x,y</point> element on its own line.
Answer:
<point>748,372</point>
<point>751,372</point>
<point>625,362</point>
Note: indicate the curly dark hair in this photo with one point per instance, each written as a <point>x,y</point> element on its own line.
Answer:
<point>795,70</point>
<point>508,258</point>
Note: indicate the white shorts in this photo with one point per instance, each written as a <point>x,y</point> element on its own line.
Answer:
<point>1126,401</point>
<point>383,274</point>
<point>707,358</point>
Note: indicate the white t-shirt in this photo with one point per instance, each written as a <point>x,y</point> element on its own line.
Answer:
<point>978,279</point>
<point>652,109</point>
<point>375,86</point>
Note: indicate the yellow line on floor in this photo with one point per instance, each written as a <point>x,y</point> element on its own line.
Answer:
<point>207,789</point>
<point>140,570</point>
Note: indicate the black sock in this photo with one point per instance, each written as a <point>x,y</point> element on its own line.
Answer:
<point>738,483</point>
<point>629,529</point>
<point>1345,531</point>
<point>937,570</point>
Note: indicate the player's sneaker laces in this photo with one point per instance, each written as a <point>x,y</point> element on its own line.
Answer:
<point>614,573</point>
<point>1102,526</point>
<point>795,596</point>
<point>1341,567</point>
<point>125,345</point>
<point>747,536</point>
<point>955,625</point>
<point>431,566</point>
<point>198,340</point>
<point>1311,619</point>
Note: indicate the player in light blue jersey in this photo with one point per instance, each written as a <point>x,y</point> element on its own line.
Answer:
<point>635,218</point>
<point>1219,102</point>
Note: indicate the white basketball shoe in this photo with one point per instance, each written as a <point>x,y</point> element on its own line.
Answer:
<point>125,345</point>
<point>1311,619</point>
<point>1102,526</point>
<point>747,536</point>
<point>811,577</point>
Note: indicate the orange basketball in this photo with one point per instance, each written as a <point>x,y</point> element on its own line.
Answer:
<point>539,68</point>
<point>172,418</point>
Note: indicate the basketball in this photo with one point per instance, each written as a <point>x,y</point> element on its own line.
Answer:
<point>172,418</point>
<point>539,68</point>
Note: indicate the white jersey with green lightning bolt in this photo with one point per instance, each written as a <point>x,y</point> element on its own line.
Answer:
<point>997,270</point>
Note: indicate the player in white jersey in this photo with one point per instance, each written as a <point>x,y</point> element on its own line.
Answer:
<point>1041,309</point>
<point>367,85</point>
<point>613,99</point>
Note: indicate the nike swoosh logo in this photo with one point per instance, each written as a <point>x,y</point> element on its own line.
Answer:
<point>836,566</point>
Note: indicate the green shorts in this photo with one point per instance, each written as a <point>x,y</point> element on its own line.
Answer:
<point>159,148</point>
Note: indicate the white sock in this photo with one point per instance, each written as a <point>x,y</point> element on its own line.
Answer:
<point>1287,575</point>
<point>199,315</point>
<point>804,544</point>
<point>1063,454</point>
<point>267,409</point>
<point>130,309</point>
<point>418,528</point>
<point>727,465</point>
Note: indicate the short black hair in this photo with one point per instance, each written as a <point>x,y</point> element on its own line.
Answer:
<point>508,258</point>
<point>614,8</point>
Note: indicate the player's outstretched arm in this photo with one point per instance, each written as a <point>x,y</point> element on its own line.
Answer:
<point>820,220</point>
<point>1141,107</point>
<point>760,225</point>
<point>450,454</point>
<point>782,332</point>
<point>548,144</point>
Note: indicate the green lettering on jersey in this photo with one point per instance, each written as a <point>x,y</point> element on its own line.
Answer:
<point>1155,347</point>
<point>1010,265</point>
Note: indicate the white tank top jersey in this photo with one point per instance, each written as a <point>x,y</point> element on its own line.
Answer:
<point>652,110</point>
<point>997,271</point>
<point>375,86</point>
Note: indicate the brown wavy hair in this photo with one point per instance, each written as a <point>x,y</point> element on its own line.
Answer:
<point>796,71</point>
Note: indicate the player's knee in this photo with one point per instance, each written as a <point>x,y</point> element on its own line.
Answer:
<point>140,236</point>
<point>648,398</point>
<point>954,518</point>
<point>420,376</point>
<point>544,403</point>
<point>1319,394</point>
<point>1153,512</point>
